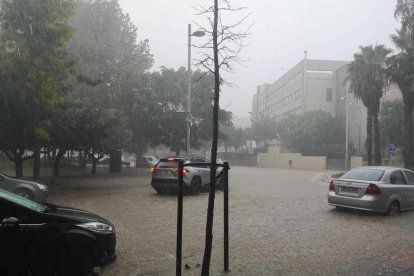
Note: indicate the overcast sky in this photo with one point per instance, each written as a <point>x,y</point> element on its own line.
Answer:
<point>282,30</point>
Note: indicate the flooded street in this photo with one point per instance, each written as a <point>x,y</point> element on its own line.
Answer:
<point>280,224</point>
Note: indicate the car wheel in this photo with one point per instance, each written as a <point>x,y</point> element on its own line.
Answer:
<point>195,185</point>
<point>75,261</point>
<point>25,193</point>
<point>394,208</point>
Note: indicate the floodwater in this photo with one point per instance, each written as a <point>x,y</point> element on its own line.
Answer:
<point>280,224</point>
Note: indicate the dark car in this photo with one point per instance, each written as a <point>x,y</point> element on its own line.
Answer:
<point>196,177</point>
<point>46,239</point>
<point>28,189</point>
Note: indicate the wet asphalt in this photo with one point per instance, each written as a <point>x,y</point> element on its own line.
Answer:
<point>280,224</point>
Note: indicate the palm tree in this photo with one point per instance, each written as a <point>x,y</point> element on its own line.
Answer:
<point>401,71</point>
<point>368,80</point>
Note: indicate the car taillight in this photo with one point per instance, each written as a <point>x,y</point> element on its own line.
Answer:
<point>184,170</point>
<point>331,186</point>
<point>153,169</point>
<point>373,190</point>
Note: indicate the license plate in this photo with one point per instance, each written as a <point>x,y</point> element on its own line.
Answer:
<point>352,190</point>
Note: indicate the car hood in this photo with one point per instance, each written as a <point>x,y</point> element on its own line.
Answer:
<point>75,214</point>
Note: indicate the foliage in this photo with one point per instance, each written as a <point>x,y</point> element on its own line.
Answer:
<point>368,80</point>
<point>233,137</point>
<point>168,92</point>
<point>391,120</point>
<point>111,70</point>
<point>312,133</point>
<point>401,71</point>
<point>34,71</point>
<point>264,130</point>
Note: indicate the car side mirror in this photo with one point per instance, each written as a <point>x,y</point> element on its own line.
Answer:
<point>10,223</point>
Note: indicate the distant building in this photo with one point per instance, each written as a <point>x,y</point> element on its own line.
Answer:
<point>316,85</point>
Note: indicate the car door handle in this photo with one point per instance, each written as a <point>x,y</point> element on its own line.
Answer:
<point>398,190</point>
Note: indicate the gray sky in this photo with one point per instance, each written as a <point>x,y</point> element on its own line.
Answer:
<point>282,30</point>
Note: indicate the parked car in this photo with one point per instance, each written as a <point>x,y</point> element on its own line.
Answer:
<point>46,239</point>
<point>196,178</point>
<point>28,189</point>
<point>146,161</point>
<point>380,189</point>
<point>152,160</point>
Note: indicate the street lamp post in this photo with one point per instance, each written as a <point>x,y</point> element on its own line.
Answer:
<point>188,119</point>
<point>347,104</point>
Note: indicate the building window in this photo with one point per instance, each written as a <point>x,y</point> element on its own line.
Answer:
<point>329,94</point>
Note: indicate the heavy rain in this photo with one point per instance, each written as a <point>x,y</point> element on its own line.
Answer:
<point>206,137</point>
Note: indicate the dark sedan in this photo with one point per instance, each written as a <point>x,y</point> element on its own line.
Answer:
<point>45,239</point>
<point>28,189</point>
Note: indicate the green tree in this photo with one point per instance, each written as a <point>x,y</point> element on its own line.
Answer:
<point>264,130</point>
<point>368,79</point>
<point>233,137</point>
<point>169,96</point>
<point>401,71</point>
<point>391,120</point>
<point>35,67</point>
<point>112,68</point>
<point>312,133</point>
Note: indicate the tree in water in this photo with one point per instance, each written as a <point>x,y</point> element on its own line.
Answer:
<point>226,43</point>
<point>368,77</point>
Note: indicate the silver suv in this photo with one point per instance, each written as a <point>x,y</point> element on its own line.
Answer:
<point>196,178</point>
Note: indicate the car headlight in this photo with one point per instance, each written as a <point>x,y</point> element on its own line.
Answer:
<point>98,227</point>
<point>42,187</point>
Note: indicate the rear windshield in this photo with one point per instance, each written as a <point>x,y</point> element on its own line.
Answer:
<point>167,164</point>
<point>364,174</point>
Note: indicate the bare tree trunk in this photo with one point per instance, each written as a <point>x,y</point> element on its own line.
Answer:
<point>36,163</point>
<point>369,136</point>
<point>18,167</point>
<point>211,196</point>
<point>408,136</point>
<point>83,156</point>
<point>56,165</point>
<point>377,145</point>
<point>94,162</point>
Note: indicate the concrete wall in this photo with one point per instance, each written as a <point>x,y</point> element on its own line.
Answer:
<point>356,161</point>
<point>275,159</point>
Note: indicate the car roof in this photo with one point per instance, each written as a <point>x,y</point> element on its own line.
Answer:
<point>383,168</point>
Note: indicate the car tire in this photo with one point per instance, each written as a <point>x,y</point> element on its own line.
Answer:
<point>75,257</point>
<point>195,185</point>
<point>26,193</point>
<point>394,208</point>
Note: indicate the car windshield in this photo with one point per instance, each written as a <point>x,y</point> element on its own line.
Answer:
<point>22,201</point>
<point>364,174</point>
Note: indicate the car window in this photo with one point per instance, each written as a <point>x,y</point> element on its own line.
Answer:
<point>10,209</point>
<point>364,174</point>
<point>7,196</point>
<point>397,177</point>
<point>166,165</point>
<point>410,177</point>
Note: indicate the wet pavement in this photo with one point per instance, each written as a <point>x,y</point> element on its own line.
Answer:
<point>280,224</point>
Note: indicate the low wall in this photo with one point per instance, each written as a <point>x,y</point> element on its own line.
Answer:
<point>356,161</point>
<point>239,159</point>
<point>275,159</point>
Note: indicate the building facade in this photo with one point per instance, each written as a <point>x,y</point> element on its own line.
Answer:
<point>317,85</point>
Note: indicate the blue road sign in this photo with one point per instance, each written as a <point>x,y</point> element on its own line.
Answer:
<point>390,148</point>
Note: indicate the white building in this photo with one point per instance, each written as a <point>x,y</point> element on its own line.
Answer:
<point>316,85</point>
